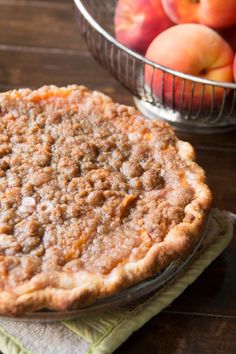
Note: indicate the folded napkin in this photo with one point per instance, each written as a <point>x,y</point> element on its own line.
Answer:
<point>103,333</point>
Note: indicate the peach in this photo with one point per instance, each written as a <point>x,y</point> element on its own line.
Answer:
<point>234,67</point>
<point>229,34</point>
<point>192,49</point>
<point>213,13</point>
<point>138,22</point>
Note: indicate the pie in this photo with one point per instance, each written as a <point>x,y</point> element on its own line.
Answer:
<point>93,198</point>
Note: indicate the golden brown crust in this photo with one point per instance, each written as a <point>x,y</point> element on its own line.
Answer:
<point>60,289</point>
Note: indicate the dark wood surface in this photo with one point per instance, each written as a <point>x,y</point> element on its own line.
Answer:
<point>40,44</point>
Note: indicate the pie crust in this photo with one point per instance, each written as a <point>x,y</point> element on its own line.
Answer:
<point>93,198</point>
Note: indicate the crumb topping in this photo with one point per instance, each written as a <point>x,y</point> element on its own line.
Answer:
<point>85,184</point>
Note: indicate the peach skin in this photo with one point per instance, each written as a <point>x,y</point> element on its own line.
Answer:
<point>191,49</point>
<point>229,34</point>
<point>234,67</point>
<point>213,13</point>
<point>138,22</point>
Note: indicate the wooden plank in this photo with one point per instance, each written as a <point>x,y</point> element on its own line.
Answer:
<point>213,292</point>
<point>37,69</point>
<point>39,26</point>
<point>220,167</point>
<point>50,1</point>
<point>217,141</point>
<point>183,334</point>
<point>35,2</point>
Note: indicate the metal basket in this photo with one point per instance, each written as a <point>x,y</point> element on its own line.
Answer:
<point>188,110</point>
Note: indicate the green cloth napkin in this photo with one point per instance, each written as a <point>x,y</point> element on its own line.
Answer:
<point>104,333</point>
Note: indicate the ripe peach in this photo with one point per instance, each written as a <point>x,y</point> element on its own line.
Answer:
<point>234,67</point>
<point>229,34</point>
<point>213,13</point>
<point>138,22</point>
<point>192,49</point>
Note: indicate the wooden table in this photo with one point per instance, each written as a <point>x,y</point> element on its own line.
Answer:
<point>40,44</point>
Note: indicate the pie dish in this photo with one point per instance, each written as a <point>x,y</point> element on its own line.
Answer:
<point>93,198</point>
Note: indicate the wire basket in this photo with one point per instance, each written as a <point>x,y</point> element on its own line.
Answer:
<point>192,103</point>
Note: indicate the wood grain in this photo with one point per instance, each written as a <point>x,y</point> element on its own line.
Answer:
<point>40,44</point>
<point>183,334</point>
<point>38,68</point>
<point>49,26</point>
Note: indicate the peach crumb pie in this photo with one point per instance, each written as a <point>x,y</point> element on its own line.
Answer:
<point>93,198</point>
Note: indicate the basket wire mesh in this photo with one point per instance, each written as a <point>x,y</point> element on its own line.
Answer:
<point>194,103</point>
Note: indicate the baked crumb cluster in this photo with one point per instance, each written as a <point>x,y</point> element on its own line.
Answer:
<point>85,184</point>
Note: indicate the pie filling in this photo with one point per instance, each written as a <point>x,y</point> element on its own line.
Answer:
<point>85,184</point>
